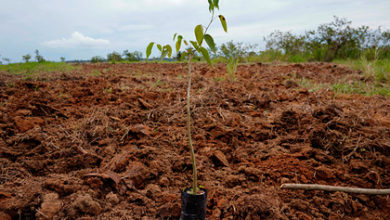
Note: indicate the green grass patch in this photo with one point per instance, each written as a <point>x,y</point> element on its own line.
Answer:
<point>36,68</point>
<point>378,70</point>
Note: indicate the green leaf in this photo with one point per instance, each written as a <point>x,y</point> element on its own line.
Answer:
<point>216,2</point>
<point>178,43</point>
<point>199,34</point>
<point>211,5</point>
<point>223,22</point>
<point>210,41</point>
<point>149,50</point>
<point>195,45</point>
<point>174,36</point>
<point>168,49</point>
<point>205,54</point>
<point>159,47</point>
<point>185,42</point>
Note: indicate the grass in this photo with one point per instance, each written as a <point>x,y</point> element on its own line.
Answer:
<point>36,68</point>
<point>377,70</point>
<point>312,86</point>
<point>231,68</point>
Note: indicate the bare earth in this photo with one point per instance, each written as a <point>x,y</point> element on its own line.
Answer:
<point>109,142</point>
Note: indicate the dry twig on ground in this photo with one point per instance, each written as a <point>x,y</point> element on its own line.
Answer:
<point>336,188</point>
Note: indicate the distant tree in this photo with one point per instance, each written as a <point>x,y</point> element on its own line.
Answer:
<point>235,50</point>
<point>27,58</point>
<point>97,59</point>
<point>62,59</point>
<point>132,56</point>
<point>38,57</point>
<point>114,57</point>
<point>8,60</point>
<point>289,43</point>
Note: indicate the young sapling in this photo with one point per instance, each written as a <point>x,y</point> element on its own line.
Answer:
<point>201,35</point>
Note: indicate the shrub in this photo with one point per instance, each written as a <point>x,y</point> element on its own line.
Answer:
<point>97,59</point>
<point>38,57</point>
<point>26,58</point>
<point>114,57</point>
<point>132,56</point>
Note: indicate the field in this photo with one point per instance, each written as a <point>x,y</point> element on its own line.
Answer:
<point>108,141</point>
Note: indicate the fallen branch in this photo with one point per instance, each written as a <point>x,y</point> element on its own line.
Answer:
<point>336,188</point>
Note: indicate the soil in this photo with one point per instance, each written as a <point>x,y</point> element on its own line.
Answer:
<point>108,141</point>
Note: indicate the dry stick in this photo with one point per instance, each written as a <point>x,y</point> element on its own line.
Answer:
<point>336,188</point>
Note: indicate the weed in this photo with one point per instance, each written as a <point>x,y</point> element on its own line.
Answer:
<point>107,90</point>
<point>310,85</point>
<point>379,70</point>
<point>219,79</point>
<point>96,73</point>
<point>157,83</point>
<point>231,68</point>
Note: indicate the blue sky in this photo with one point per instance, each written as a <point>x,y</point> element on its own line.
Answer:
<point>80,29</point>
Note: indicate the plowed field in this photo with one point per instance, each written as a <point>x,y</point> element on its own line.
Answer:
<point>108,141</point>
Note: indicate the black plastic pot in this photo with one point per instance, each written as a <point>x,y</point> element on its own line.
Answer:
<point>193,206</point>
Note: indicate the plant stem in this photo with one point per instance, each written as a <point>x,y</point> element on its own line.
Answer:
<point>211,21</point>
<point>194,187</point>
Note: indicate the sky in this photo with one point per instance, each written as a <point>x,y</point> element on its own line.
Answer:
<point>81,29</point>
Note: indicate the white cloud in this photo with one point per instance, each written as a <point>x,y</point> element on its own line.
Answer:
<point>77,40</point>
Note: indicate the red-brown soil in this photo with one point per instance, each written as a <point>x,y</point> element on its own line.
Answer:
<point>109,142</point>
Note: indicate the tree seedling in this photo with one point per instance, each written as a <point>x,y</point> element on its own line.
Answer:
<point>193,198</point>
<point>193,201</point>
<point>201,35</point>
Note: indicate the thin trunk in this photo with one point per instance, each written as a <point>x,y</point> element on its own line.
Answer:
<point>195,178</point>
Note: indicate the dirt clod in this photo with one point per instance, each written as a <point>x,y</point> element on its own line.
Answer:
<point>50,206</point>
<point>219,159</point>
